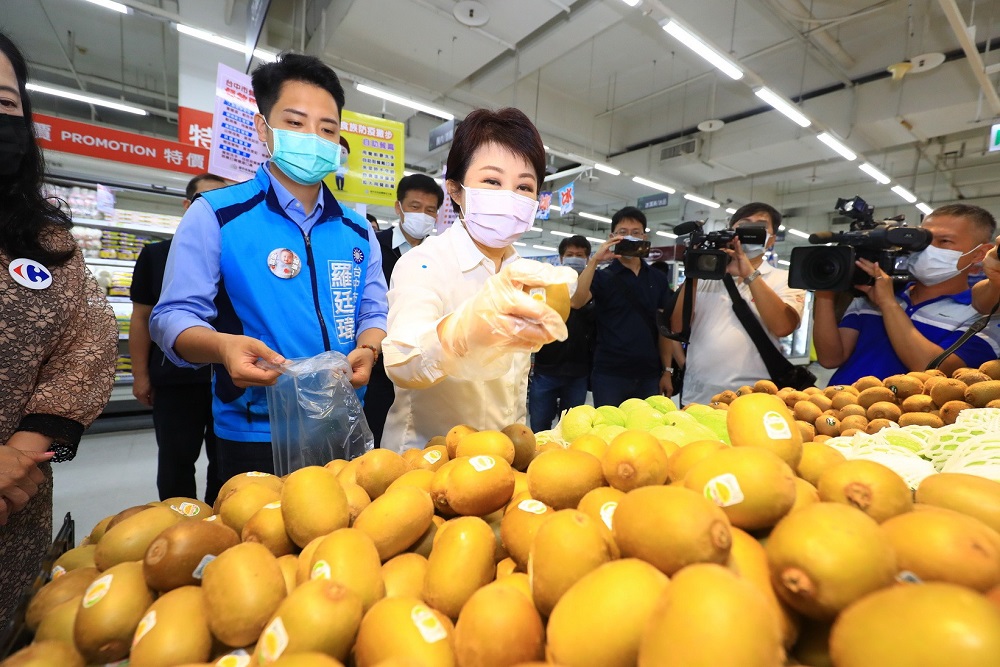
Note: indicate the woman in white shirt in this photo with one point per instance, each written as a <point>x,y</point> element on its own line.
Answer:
<point>461,325</point>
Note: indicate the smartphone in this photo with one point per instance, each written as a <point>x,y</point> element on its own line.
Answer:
<point>630,248</point>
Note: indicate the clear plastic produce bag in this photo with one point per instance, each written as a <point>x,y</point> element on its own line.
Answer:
<point>316,415</point>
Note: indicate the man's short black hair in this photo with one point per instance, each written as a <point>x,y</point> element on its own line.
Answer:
<point>270,77</point>
<point>419,183</point>
<point>982,220</point>
<point>574,242</point>
<point>373,220</point>
<point>747,210</point>
<point>192,186</point>
<point>629,213</point>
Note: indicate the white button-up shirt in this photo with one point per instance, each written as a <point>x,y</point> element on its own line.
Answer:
<point>398,240</point>
<point>428,283</point>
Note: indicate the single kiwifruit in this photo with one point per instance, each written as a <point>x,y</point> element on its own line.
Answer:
<point>821,401</point>
<point>873,395</point>
<point>828,425</point>
<point>884,410</point>
<point>950,410</point>
<point>807,411</point>
<point>991,368</point>
<point>919,403</point>
<point>807,430</point>
<point>921,419</point>
<point>844,398</point>
<point>744,390</point>
<point>920,375</point>
<point>970,376</point>
<point>793,397</point>
<point>981,393</point>
<point>946,390</point>
<point>903,386</point>
<point>851,410</point>
<point>859,422</point>
<point>867,382</point>
<point>765,386</point>
<point>728,396</point>
<point>876,425</point>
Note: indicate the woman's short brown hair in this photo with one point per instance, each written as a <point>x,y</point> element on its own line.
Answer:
<point>507,128</point>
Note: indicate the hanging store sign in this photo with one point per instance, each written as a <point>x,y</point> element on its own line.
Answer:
<point>652,201</point>
<point>236,151</point>
<point>105,143</point>
<point>995,138</point>
<point>371,160</point>
<point>194,127</point>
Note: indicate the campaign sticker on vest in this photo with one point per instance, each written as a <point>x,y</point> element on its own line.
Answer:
<point>284,263</point>
<point>29,273</point>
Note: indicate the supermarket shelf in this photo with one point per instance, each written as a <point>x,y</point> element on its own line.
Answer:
<point>122,336</point>
<point>97,261</point>
<point>110,225</point>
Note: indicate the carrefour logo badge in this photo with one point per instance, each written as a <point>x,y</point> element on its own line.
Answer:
<point>29,273</point>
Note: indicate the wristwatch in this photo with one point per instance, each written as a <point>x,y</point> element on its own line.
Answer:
<point>752,277</point>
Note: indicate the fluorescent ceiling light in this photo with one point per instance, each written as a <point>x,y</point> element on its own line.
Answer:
<point>798,233</point>
<point>225,42</point>
<point>905,194</point>
<point>594,240</point>
<point>265,56</point>
<point>653,184</point>
<point>591,216</point>
<point>545,247</point>
<point>667,235</point>
<point>632,3</point>
<point>558,233</point>
<point>607,169</point>
<point>784,262</point>
<point>731,210</point>
<point>108,4</point>
<point>535,228</point>
<point>545,147</point>
<point>696,44</point>
<point>553,207</point>
<point>784,107</point>
<point>87,99</point>
<point>925,209</point>
<point>406,102</point>
<point>875,173</point>
<point>701,200</point>
<point>519,244</point>
<point>838,147</point>
<point>781,228</point>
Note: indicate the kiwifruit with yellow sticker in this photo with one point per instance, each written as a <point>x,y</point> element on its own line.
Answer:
<point>842,399</point>
<point>519,526</point>
<point>821,401</point>
<point>970,376</point>
<point>70,585</point>
<point>267,527</point>
<point>554,296</point>
<point>921,419</point>
<point>431,458</point>
<point>918,403</point>
<point>981,393</point>
<point>872,395</point>
<point>568,545</point>
<point>852,409</point>
<point>765,386</point>
<point>859,422</point>
<point>806,411</point>
<point>827,425</point>
<point>884,410</point>
<point>903,386</point>
<point>396,519</point>
<point>560,478</point>
<point>486,443</point>
<point>128,540</point>
<point>460,564</point>
<point>807,430</point>
<point>478,485</point>
<point>867,382</point>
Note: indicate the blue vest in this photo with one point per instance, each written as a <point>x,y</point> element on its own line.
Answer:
<point>312,312</point>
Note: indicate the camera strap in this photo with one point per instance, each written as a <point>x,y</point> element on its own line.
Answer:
<point>976,327</point>
<point>776,363</point>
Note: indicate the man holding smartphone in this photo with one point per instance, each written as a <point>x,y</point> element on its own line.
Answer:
<point>631,358</point>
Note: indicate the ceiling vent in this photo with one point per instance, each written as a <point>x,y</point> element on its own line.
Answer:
<point>679,148</point>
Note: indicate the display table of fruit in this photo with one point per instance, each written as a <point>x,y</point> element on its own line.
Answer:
<point>856,526</point>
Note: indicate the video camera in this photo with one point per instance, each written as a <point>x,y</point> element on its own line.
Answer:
<point>704,257</point>
<point>832,267</point>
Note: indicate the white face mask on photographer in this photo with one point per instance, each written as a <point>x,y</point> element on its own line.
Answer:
<point>754,250</point>
<point>934,265</point>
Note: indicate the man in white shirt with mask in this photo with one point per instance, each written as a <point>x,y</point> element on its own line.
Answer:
<point>721,355</point>
<point>886,332</point>
<point>418,198</point>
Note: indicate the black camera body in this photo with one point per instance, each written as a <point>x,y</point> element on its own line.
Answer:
<point>832,268</point>
<point>704,257</point>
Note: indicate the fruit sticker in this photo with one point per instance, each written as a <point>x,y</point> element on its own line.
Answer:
<point>57,572</point>
<point>186,509</point>
<point>482,463</point>
<point>147,623</point>
<point>97,590</point>
<point>724,490</point>
<point>274,641</point>
<point>432,456</point>
<point>608,512</point>
<point>276,505</point>
<point>238,658</point>
<point>200,570</point>
<point>321,570</point>
<point>830,421</point>
<point>776,426</point>
<point>214,517</point>
<point>532,506</point>
<point>427,624</point>
<point>537,293</point>
<point>258,474</point>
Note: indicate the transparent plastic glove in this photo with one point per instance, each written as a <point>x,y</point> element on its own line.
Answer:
<point>481,336</point>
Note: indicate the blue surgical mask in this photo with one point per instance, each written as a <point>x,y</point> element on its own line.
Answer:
<point>578,264</point>
<point>304,157</point>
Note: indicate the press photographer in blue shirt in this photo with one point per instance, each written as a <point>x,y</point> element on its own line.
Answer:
<point>274,267</point>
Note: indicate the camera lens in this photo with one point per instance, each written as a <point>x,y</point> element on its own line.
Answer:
<point>707,263</point>
<point>826,269</point>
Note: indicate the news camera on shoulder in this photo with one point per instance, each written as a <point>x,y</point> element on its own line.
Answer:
<point>705,257</point>
<point>888,243</point>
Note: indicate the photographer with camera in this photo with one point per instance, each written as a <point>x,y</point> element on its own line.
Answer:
<point>886,332</point>
<point>721,353</point>
<point>631,358</point>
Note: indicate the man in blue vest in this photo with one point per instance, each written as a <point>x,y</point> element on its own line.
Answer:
<point>274,267</point>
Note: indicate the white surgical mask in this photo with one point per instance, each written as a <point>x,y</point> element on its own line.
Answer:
<point>497,218</point>
<point>934,265</point>
<point>578,264</point>
<point>417,224</point>
<point>754,250</point>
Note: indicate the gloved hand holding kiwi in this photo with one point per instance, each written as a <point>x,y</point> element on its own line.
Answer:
<point>520,309</point>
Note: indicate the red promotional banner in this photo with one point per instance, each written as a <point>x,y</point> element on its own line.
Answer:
<point>194,127</point>
<point>70,136</point>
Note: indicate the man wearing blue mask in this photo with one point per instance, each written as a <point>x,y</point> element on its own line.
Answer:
<point>721,354</point>
<point>631,358</point>
<point>561,372</point>
<point>274,267</point>
<point>886,332</point>
<point>418,198</point>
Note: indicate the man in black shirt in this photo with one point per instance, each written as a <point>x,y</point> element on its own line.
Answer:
<point>561,371</point>
<point>631,358</point>
<point>418,198</point>
<point>181,398</point>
